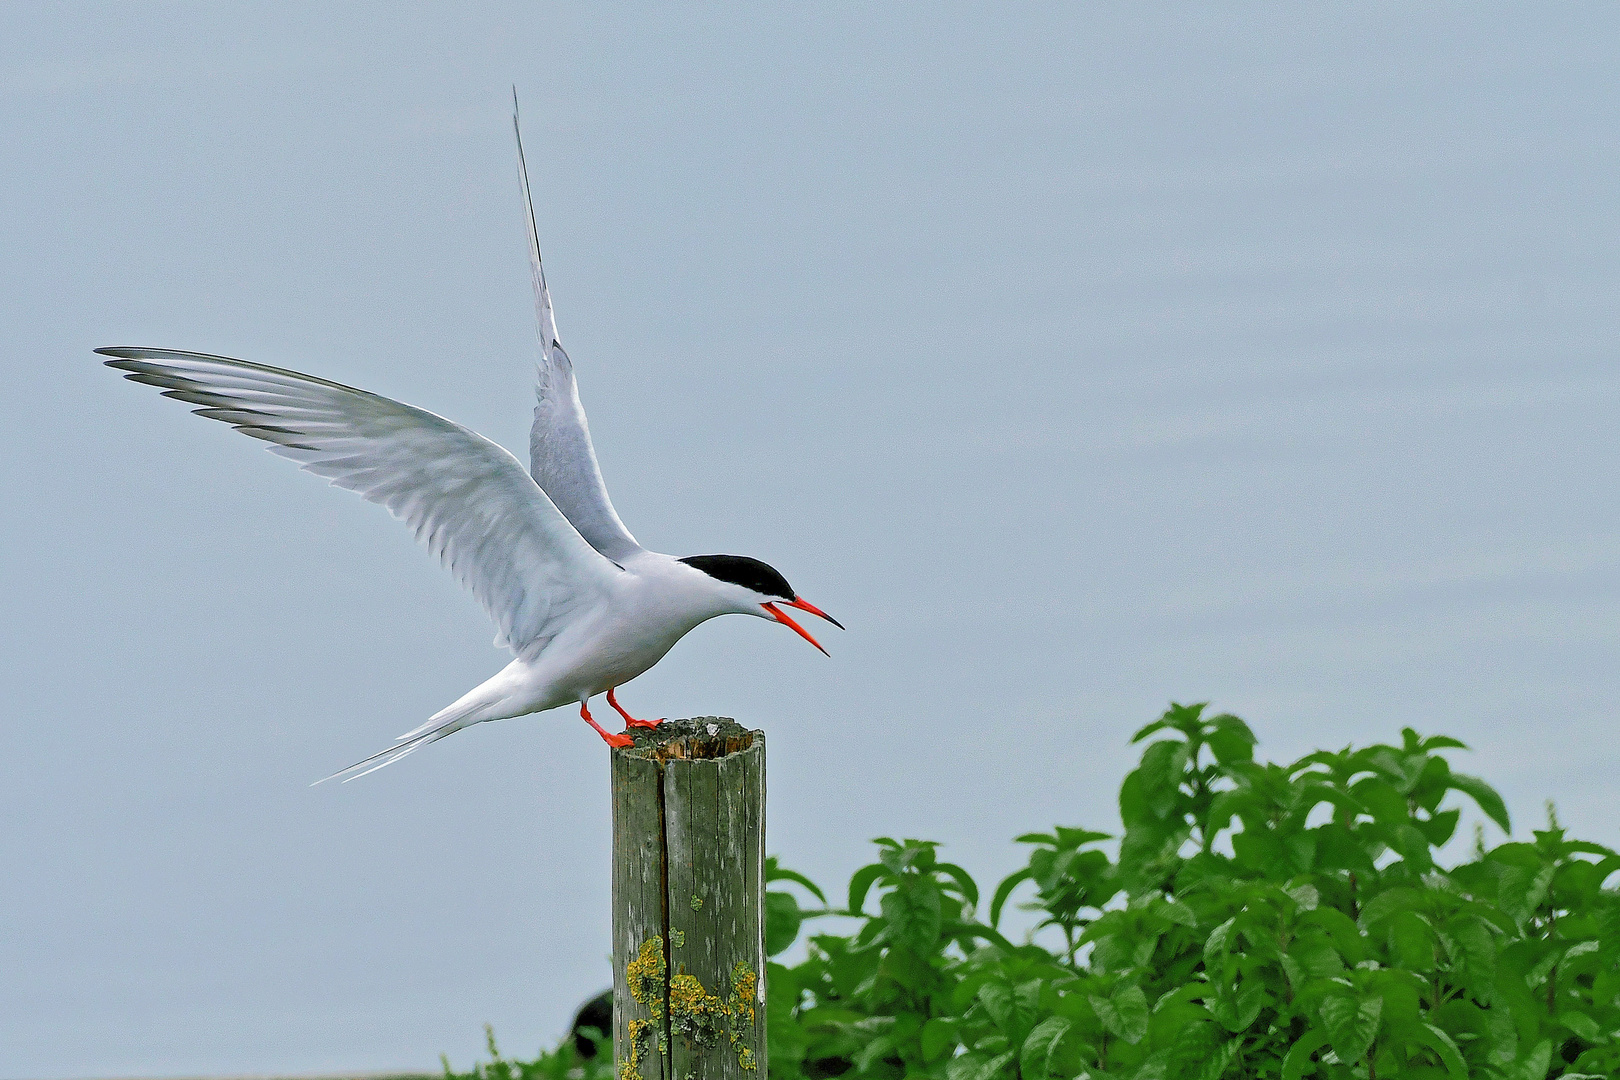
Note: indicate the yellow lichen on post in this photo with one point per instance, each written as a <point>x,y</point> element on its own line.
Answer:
<point>695,1014</point>
<point>646,976</point>
<point>700,1017</point>
<point>740,1011</point>
<point>640,1044</point>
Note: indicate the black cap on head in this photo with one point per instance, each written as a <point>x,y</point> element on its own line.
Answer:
<point>741,570</point>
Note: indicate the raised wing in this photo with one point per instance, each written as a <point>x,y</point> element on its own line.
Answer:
<point>560,453</point>
<point>465,497</point>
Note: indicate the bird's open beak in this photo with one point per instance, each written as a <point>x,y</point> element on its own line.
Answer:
<point>804,605</point>
<point>786,620</point>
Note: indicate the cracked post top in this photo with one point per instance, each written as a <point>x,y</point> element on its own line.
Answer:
<point>699,737</point>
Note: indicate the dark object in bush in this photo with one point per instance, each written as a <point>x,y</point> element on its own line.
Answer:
<point>593,1022</point>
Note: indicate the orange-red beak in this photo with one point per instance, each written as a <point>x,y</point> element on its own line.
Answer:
<point>786,620</point>
<point>804,605</point>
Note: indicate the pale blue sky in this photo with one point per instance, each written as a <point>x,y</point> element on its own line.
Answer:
<point>1077,358</point>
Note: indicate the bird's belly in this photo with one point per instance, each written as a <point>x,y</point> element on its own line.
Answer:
<point>612,657</point>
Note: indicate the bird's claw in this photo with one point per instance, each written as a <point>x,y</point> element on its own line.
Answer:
<point>618,742</point>
<point>629,723</point>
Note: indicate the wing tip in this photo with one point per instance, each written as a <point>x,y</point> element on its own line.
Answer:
<point>122,355</point>
<point>125,354</point>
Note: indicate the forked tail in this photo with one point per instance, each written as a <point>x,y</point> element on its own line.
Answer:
<point>447,721</point>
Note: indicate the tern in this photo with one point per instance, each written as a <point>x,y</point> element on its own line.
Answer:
<point>582,606</point>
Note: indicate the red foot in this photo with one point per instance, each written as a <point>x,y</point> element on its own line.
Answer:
<point>607,736</point>
<point>630,721</point>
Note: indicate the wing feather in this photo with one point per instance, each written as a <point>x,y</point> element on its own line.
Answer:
<point>561,456</point>
<point>466,498</point>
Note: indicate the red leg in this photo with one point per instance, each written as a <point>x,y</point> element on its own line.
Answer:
<point>630,721</point>
<point>607,736</point>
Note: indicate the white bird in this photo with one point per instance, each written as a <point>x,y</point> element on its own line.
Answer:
<point>582,606</point>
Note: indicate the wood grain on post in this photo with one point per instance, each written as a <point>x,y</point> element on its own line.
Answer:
<point>688,902</point>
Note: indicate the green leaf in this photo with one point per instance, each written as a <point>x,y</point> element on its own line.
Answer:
<point>914,916</point>
<point>1520,893</point>
<point>1447,1050</point>
<point>970,931</point>
<point>1144,732</point>
<point>1351,1025</point>
<point>861,883</point>
<point>994,1066</point>
<point>1223,806</point>
<point>1262,851</point>
<point>1231,740</point>
<point>1034,1061</point>
<point>1217,1063</point>
<point>1306,896</point>
<point>1163,767</point>
<point>1130,1014</point>
<point>1383,800</point>
<point>1220,939</point>
<point>1299,1055</point>
<point>1132,804</point>
<point>777,873</point>
<point>1133,1012</point>
<point>1476,955</point>
<point>1501,1036</point>
<point>1386,904</point>
<point>1413,846</point>
<point>1534,1065</point>
<point>1439,828</point>
<point>1412,939</point>
<point>1581,1024</point>
<point>997,999</point>
<point>1581,948</point>
<point>1484,796</point>
<point>782,921</point>
<point>938,1038</point>
<point>874,1051</point>
<point>1004,890</point>
<point>970,891</point>
<point>1315,958</point>
<point>1175,911</point>
<point>1237,1011</point>
<point>1346,935</point>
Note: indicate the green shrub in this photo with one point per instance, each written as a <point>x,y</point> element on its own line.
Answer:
<point>1257,921</point>
<point>563,1063</point>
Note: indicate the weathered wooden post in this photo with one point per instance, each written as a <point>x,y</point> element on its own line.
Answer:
<point>688,902</point>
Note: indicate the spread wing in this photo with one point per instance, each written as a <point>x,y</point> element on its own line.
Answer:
<point>560,453</point>
<point>465,497</point>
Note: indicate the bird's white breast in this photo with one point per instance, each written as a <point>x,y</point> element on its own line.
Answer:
<point>648,608</point>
